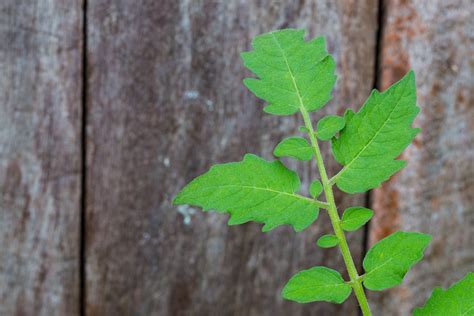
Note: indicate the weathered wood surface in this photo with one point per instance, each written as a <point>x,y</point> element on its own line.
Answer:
<point>165,101</point>
<point>40,156</point>
<point>434,194</point>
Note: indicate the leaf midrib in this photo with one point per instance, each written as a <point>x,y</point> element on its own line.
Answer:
<point>290,71</point>
<point>386,262</point>
<point>313,287</point>
<point>262,189</point>
<point>356,219</point>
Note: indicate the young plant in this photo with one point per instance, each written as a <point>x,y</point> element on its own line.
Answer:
<point>297,76</point>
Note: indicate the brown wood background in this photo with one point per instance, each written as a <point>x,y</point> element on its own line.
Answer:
<point>107,108</point>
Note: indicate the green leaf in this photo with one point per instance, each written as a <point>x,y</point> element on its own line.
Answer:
<point>456,301</point>
<point>293,73</point>
<point>295,147</point>
<point>329,125</point>
<point>315,188</point>
<point>375,136</point>
<point>317,284</point>
<point>387,262</point>
<point>355,217</point>
<point>252,190</point>
<point>327,241</point>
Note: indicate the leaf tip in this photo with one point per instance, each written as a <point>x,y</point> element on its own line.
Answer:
<point>233,221</point>
<point>175,200</point>
<point>178,199</point>
<point>416,131</point>
<point>428,238</point>
<point>409,80</point>
<point>244,55</point>
<point>411,74</point>
<point>267,227</point>
<point>248,82</point>
<point>251,157</point>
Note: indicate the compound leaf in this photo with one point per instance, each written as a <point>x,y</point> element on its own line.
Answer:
<point>327,241</point>
<point>456,301</point>
<point>295,147</point>
<point>252,190</point>
<point>315,188</point>
<point>293,73</point>
<point>328,126</point>
<point>375,136</point>
<point>387,262</point>
<point>355,217</point>
<point>317,284</point>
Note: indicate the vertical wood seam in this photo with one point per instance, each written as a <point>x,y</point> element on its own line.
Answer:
<point>82,238</point>
<point>375,85</point>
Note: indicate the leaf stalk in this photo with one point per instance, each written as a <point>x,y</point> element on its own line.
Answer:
<point>335,219</point>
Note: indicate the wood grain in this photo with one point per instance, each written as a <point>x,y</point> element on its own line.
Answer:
<point>434,193</point>
<point>165,102</point>
<point>40,156</point>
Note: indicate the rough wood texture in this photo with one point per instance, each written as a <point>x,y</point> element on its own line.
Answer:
<point>165,101</point>
<point>40,157</point>
<point>434,194</point>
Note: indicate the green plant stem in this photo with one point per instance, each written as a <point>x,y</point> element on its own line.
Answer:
<point>335,220</point>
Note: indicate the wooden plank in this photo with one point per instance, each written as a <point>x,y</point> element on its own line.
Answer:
<point>165,103</point>
<point>40,156</point>
<point>434,193</point>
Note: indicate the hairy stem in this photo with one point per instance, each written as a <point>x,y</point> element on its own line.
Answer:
<point>335,220</point>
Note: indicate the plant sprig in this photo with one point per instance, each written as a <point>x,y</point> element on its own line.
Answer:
<point>298,76</point>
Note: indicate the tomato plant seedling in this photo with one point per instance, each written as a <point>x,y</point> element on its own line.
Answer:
<point>297,76</point>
